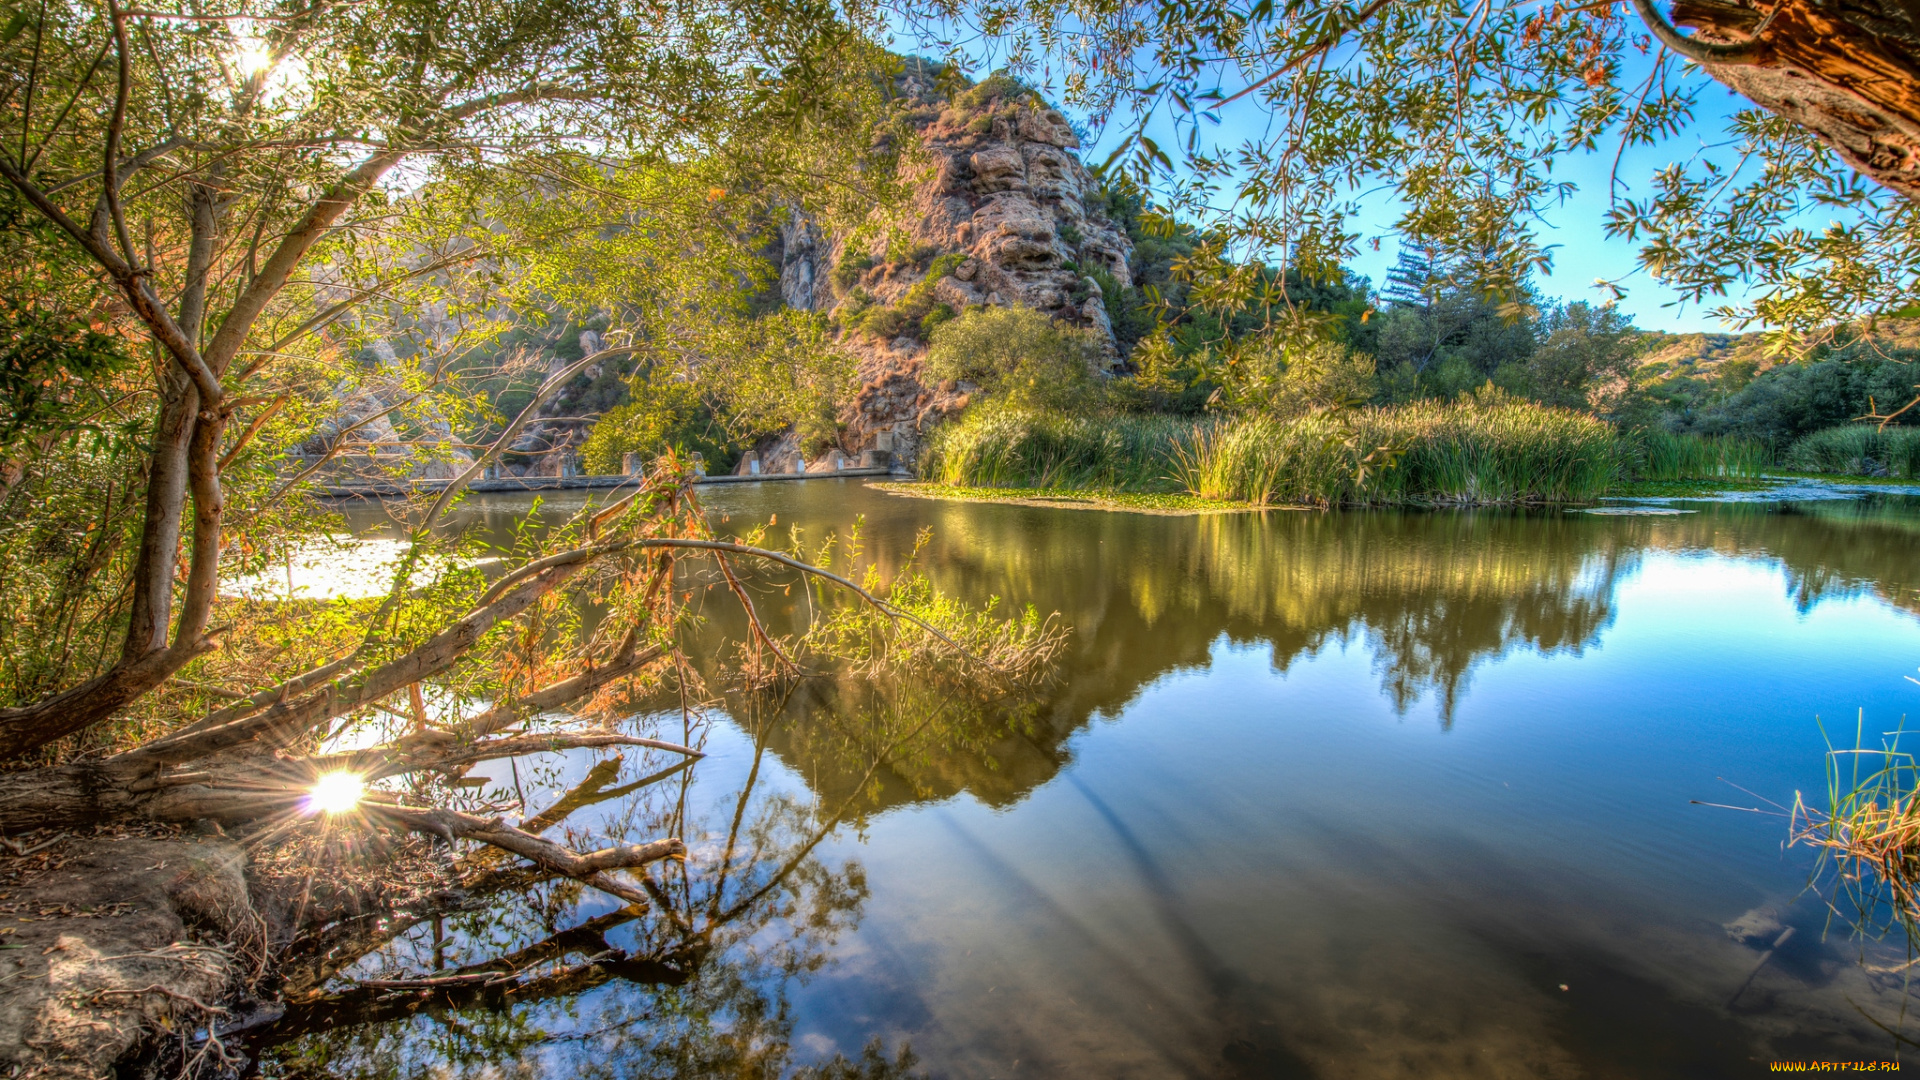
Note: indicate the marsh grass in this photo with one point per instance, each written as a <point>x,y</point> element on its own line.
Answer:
<point>1005,447</point>
<point>1868,834</point>
<point>1858,450</point>
<point>1460,453</point>
<point>1660,456</point>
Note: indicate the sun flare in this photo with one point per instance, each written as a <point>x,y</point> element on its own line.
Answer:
<point>336,793</point>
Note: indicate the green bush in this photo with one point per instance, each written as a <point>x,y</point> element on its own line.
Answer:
<point>847,271</point>
<point>914,312</point>
<point>997,85</point>
<point>1014,354</point>
<point>1858,450</point>
<point>662,414</point>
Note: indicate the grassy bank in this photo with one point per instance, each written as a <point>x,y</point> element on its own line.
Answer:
<point>1426,454</point>
<point>1858,450</point>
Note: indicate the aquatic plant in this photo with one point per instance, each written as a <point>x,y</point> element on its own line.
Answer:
<point>1423,454</point>
<point>1472,451</point>
<point>1660,455</point>
<point>1010,447</point>
<point>1868,835</point>
<point>1858,450</point>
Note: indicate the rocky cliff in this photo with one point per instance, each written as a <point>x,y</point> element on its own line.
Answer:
<point>1002,212</point>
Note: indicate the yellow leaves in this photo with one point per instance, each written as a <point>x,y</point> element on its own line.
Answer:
<point>715,194</point>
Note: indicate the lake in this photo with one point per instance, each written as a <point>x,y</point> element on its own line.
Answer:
<point>1327,795</point>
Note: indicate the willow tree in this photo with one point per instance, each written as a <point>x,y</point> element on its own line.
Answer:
<point>1271,121</point>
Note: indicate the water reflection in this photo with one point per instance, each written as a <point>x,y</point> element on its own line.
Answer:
<point>695,987</point>
<point>1198,901</point>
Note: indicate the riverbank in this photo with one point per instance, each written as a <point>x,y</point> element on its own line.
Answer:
<point>1771,488</point>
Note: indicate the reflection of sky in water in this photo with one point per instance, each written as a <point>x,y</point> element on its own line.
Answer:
<point>1232,847</point>
<point>333,567</point>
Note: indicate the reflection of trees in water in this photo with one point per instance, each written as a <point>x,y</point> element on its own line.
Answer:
<point>694,987</point>
<point>1432,594</point>
<point>1828,550</point>
<point>698,985</point>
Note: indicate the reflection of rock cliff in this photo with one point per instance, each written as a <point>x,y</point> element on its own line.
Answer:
<point>1002,213</point>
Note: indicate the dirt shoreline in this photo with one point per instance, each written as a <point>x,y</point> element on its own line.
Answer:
<point>112,940</point>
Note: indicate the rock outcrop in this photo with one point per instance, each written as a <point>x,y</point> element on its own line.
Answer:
<point>1002,213</point>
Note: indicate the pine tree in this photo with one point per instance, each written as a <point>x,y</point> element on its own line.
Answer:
<point>1415,279</point>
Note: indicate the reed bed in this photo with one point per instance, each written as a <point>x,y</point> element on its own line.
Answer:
<point>1426,454</point>
<point>1858,450</point>
<point>1659,455</point>
<point>1002,447</point>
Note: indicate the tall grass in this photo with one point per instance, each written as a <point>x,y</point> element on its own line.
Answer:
<point>1429,453</point>
<point>1858,450</point>
<point>1659,455</point>
<point>1002,447</point>
<point>1424,454</point>
<point>1868,834</point>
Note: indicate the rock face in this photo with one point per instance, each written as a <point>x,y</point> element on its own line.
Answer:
<point>997,182</point>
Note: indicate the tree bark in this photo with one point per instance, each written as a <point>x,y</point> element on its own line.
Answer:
<point>1848,73</point>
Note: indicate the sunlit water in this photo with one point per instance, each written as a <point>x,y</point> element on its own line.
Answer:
<point>1327,795</point>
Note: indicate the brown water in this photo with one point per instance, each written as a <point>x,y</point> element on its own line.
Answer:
<point>1328,795</point>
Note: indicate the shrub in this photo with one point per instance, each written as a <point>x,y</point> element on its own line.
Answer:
<point>1786,402</point>
<point>1014,354</point>
<point>938,314</point>
<point>664,413</point>
<point>1858,450</point>
<point>915,310</point>
<point>1285,375</point>
<point>847,271</point>
<point>997,85</point>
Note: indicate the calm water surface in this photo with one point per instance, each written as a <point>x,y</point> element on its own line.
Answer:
<point>1316,795</point>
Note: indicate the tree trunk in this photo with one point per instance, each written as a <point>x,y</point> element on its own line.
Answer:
<point>1850,74</point>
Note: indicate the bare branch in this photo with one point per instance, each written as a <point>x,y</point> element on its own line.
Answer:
<point>590,868</point>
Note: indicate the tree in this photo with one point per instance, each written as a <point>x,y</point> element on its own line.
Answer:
<point>237,203</point>
<point>1584,359</point>
<point>215,173</point>
<point>1414,280</point>
<point>1014,354</point>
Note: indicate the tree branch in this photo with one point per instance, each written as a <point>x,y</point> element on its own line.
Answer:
<point>1751,51</point>
<point>590,868</point>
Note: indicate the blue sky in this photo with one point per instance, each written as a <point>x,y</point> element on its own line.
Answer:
<point>1581,250</point>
